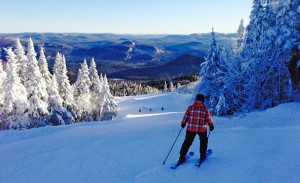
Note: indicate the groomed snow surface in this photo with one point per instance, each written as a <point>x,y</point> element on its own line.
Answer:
<point>261,147</point>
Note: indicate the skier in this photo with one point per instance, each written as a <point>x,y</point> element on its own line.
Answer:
<point>197,116</point>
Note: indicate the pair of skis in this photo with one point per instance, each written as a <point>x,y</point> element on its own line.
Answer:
<point>189,155</point>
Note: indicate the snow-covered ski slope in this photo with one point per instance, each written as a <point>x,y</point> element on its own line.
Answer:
<point>261,147</point>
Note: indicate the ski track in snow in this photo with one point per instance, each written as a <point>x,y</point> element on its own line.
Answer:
<point>261,147</point>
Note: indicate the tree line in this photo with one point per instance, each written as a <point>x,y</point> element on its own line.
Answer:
<point>130,88</point>
<point>30,96</point>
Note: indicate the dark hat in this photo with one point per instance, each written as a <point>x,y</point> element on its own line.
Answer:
<point>200,97</point>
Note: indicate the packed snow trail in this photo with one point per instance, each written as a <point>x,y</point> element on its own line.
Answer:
<point>261,147</point>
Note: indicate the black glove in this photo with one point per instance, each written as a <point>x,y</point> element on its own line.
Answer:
<point>183,125</point>
<point>211,128</point>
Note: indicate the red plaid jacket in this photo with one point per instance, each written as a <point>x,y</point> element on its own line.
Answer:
<point>197,116</point>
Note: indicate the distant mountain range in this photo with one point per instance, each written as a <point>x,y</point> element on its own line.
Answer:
<point>124,56</point>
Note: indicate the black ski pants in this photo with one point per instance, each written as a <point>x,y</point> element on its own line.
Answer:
<point>188,141</point>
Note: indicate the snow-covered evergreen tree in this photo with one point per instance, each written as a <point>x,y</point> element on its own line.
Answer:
<point>43,65</point>
<point>36,89</point>
<point>64,87</point>
<point>256,55</point>
<point>234,82</point>
<point>55,101</point>
<point>221,106</point>
<point>109,107</point>
<point>165,87</point>
<point>15,103</point>
<point>82,94</point>
<point>240,37</point>
<point>22,60</point>
<point>263,49</point>
<point>171,88</point>
<point>2,79</point>
<point>93,75</point>
<point>212,74</point>
<point>286,21</point>
<point>58,114</point>
<point>96,90</point>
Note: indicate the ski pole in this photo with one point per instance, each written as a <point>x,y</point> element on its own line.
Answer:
<point>172,146</point>
<point>208,134</point>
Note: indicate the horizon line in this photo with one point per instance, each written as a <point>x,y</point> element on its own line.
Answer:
<point>110,33</point>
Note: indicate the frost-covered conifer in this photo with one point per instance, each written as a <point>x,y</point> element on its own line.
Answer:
<point>15,102</point>
<point>93,75</point>
<point>82,94</point>
<point>240,37</point>
<point>22,60</point>
<point>58,114</point>
<point>234,81</point>
<point>64,87</point>
<point>165,87</point>
<point>212,74</point>
<point>140,88</point>
<point>263,49</point>
<point>36,88</point>
<point>178,85</point>
<point>171,88</point>
<point>43,65</point>
<point>286,21</point>
<point>55,101</point>
<point>58,68</point>
<point>109,109</point>
<point>221,106</point>
<point>96,90</point>
<point>2,79</point>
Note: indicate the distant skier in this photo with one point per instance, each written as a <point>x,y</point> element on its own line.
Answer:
<point>140,109</point>
<point>150,109</point>
<point>197,116</point>
<point>162,108</point>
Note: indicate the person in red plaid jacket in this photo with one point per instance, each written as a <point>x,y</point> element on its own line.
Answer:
<point>197,117</point>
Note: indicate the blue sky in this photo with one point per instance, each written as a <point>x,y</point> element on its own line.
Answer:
<point>123,16</point>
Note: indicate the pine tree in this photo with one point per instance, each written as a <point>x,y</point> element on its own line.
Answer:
<point>286,21</point>
<point>221,106</point>
<point>165,87</point>
<point>109,107</point>
<point>262,51</point>
<point>43,66</point>
<point>171,89</point>
<point>240,37</point>
<point>15,102</point>
<point>212,72</point>
<point>258,54</point>
<point>93,75</point>
<point>82,94</point>
<point>22,60</point>
<point>55,101</point>
<point>2,79</point>
<point>140,88</point>
<point>64,87</point>
<point>178,85</point>
<point>234,81</point>
<point>96,90</point>
<point>59,115</point>
<point>36,88</point>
